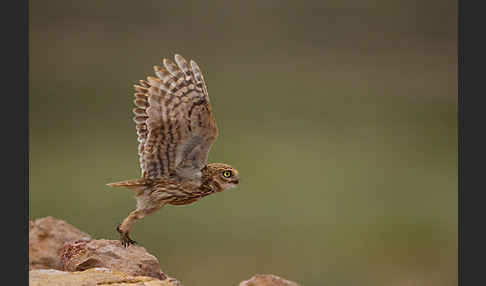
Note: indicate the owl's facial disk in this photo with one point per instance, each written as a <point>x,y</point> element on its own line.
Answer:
<point>223,175</point>
<point>227,178</point>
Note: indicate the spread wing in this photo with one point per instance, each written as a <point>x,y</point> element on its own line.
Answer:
<point>174,122</point>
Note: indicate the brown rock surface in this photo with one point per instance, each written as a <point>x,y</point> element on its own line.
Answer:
<point>134,260</point>
<point>56,245</point>
<point>46,239</point>
<point>92,277</point>
<point>267,280</point>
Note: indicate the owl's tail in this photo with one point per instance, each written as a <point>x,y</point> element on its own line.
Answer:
<point>135,184</point>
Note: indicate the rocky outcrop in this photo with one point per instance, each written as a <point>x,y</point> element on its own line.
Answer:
<point>62,255</point>
<point>56,245</point>
<point>46,240</point>
<point>94,277</point>
<point>134,260</point>
<point>267,280</point>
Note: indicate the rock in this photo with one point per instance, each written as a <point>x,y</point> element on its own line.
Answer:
<point>46,239</point>
<point>60,254</point>
<point>267,280</point>
<point>55,244</point>
<point>92,277</point>
<point>134,260</point>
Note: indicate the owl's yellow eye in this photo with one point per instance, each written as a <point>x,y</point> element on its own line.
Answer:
<point>227,174</point>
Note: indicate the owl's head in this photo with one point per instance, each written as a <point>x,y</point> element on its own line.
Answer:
<point>221,175</point>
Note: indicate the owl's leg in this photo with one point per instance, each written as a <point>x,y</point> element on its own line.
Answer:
<point>126,226</point>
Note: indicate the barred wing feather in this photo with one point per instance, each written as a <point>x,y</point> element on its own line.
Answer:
<point>174,122</point>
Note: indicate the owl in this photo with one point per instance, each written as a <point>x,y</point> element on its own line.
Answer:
<point>175,128</point>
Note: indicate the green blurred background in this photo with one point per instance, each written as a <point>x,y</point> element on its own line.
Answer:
<point>340,116</point>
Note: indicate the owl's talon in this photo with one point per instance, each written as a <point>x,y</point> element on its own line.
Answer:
<point>125,238</point>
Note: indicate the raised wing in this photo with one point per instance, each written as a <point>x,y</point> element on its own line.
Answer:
<point>174,122</point>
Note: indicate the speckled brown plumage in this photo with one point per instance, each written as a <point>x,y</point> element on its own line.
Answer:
<point>175,128</point>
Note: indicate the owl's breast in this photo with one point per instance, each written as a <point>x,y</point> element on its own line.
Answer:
<point>176,192</point>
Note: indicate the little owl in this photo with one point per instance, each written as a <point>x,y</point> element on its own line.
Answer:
<point>176,129</point>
